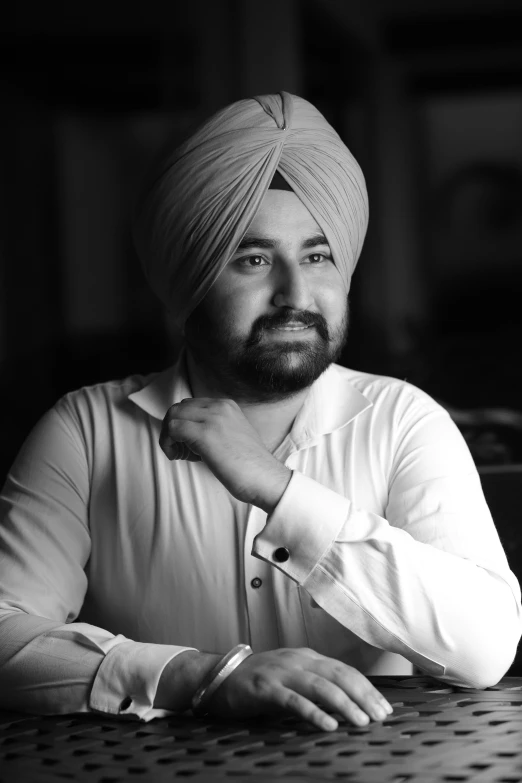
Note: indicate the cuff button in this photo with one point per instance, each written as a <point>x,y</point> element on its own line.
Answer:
<point>281,554</point>
<point>126,703</point>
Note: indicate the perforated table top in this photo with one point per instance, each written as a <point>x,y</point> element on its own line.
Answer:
<point>436,733</point>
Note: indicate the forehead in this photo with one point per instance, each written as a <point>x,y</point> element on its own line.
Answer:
<point>281,213</point>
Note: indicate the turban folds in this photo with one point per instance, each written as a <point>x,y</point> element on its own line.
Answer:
<point>207,192</point>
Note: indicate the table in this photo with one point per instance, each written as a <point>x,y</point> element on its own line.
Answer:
<point>436,733</point>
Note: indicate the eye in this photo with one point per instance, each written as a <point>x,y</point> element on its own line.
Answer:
<point>318,258</point>
<point>252,262</point>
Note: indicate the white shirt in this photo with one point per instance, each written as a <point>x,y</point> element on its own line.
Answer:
<point>114,559</point>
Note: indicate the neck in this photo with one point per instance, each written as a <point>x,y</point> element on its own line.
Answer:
<point>271,419</point>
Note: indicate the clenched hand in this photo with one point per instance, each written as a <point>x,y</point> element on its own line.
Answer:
<point>217,432</point>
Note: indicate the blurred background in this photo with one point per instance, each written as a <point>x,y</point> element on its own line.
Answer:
<point>427,95</point>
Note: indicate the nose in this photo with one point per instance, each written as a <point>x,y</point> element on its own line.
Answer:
<point>292,289</point>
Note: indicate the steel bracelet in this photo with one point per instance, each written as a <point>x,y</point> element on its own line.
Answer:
<point>217,677</point>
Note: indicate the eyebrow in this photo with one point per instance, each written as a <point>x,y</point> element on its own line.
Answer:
<point>249,242</point>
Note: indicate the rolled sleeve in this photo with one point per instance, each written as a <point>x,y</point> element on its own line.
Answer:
<point>306,522</point>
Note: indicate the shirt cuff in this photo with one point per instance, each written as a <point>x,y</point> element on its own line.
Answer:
<point>128,677</point>
<point>301,529</point>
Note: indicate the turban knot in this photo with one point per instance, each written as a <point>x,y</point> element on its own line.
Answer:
<point>207,191</point>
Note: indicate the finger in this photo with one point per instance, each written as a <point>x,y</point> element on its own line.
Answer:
<point>294,702</point>
<point>357,687</point>
<point>210,406</point>
<point>206,403</point>
<point>166,440</point>
<point>184,411</point>
<point>175,440</point>
<point>202,402</point>
<point>318,689</point>
<point>180,451</point>
<point>351,681</point>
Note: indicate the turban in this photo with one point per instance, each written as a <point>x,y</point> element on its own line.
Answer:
<point>207,191</point>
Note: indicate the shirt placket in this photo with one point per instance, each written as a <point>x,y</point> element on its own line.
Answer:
<point>260,576</point>
<point>259,589</point>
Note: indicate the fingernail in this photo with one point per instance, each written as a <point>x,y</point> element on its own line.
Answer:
<point>330,723</point>
<point>380,713</point>
<point>362,717</point>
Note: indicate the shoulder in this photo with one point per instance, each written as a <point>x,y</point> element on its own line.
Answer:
<point>101,400</point>
<point>83,426</point>
<point>402,418</point>
<point>388,394</point>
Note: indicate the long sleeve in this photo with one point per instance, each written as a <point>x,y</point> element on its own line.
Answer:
<point>428,579</point>
<point>48,662</point>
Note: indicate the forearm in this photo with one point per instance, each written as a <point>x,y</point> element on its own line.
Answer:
<point>453,619</point>
<point>443,612</point>
<point>181,678</point>
<point>42,670</point>
<point>51,668</point>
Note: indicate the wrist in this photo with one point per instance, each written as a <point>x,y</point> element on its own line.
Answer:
<point>217,676</point>
<point>274,486</point>
<point>181,678</point>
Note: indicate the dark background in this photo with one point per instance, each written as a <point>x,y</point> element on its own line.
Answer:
<point>428,96</point>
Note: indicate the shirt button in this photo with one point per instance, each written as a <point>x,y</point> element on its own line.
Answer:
<point>256,582</point>
<point>281,555</point>
<point>126,703</point>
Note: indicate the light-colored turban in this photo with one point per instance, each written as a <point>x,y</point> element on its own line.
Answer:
<point>207,191</point>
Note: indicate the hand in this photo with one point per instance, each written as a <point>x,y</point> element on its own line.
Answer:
<point>298,680</point>
<point>218,432</point>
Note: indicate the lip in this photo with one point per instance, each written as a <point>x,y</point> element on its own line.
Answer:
<point>290,328</point>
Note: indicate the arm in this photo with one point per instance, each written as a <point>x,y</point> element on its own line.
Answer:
<point>51,664</point>
<point>429,579</point>
<point>48,662</point>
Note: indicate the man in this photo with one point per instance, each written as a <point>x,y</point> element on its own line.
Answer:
<point>256,492</point>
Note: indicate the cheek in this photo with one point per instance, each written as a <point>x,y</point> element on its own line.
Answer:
<point>235,305</point>
<point>331,299</point>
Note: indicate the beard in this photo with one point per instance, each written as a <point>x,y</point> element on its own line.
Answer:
<point>260,370</point>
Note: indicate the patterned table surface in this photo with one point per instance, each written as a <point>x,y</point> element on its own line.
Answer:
<point>436,733</point>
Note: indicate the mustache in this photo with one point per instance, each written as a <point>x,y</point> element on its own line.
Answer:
<point>304,317</point>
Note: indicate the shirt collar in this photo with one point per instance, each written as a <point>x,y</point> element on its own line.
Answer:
<point>332,403</point>
<point>164,389</point>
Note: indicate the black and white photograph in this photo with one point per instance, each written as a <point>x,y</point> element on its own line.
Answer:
<point>261,391</point>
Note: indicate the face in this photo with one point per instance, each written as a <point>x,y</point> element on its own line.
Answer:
<point>277,316</point>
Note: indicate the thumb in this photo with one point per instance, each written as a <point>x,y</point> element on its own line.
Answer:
<point>179,450</point>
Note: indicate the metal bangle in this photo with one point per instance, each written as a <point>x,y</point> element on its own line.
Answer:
<point>217,677</point>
